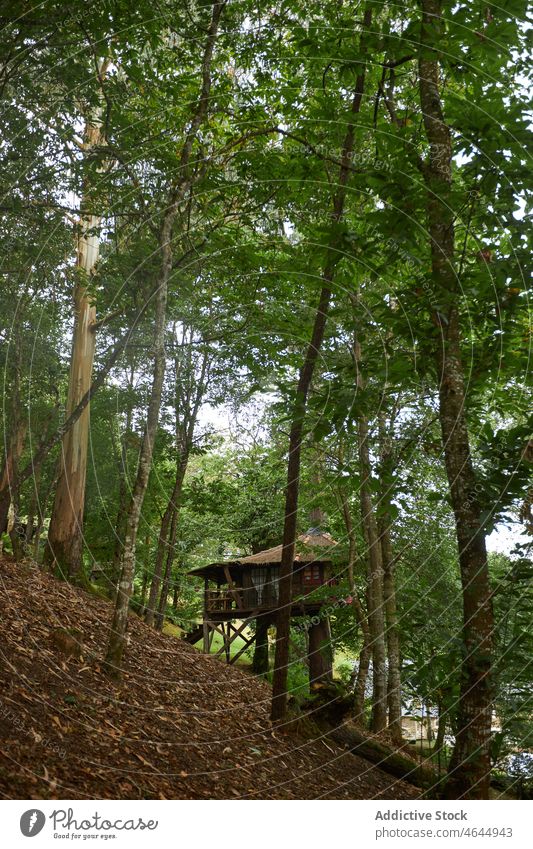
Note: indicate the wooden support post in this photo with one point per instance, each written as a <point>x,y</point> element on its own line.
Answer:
<point>207,641</point>
<point>227,641</point>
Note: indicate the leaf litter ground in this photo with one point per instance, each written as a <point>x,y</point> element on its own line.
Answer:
<point>181,725</point>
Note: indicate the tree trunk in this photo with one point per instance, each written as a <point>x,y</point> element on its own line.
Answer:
<point>390,761</point>
<point>144,590</point>
<point>260,661</point>
<point>117,639</point>
<point>279,683</point>
<point>320,652</point>
<point>163,541</point>
<point>9,478</point>
<point>429,728</point>
<point>10,483</point>
<point>33,508</point>
<point>438,748</point>
<point>64,550</point>
<point>394,691</point>
<point>360,677</point>
<point>122,511</point>
<point>376,620</point>
<point>42,505</point>
<point>469,770</point>
<point>163,598</point>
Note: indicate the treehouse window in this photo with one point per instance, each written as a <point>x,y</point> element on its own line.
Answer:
<point>274,577</point>
<point>259,580</point>
<point>312,575</point>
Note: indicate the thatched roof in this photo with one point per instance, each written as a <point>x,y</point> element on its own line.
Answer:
<point>306,552</point>
<point>311,540</point>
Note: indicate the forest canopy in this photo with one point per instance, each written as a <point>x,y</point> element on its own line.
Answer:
<point>265,274</point>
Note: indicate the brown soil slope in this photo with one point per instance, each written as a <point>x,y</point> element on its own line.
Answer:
<point>180,726</point>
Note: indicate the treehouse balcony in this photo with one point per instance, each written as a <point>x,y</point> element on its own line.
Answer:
<point>249,587</point>
<point>264,596</point>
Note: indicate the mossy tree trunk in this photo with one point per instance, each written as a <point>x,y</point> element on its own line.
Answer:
<point>469,769</point>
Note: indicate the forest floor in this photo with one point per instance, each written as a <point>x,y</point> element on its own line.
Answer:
<point>181,725</point>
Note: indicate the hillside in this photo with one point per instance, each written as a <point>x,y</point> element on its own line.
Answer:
<point>180,726</point>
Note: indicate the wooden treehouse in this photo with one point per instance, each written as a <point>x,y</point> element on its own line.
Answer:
<point>237,592</point>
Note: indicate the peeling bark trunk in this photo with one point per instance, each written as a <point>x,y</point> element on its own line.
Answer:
<point>469,769</point>
<point>279,683</point>
<point>64,550</point>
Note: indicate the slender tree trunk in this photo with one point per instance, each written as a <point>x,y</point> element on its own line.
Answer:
<point>64,550</point>
<point>163,540</point>
<point>394,696</point>
<point>9,478</point>
<point>361,676</point>
<point>394,692</point>
<point>33,508</point>
<point>279,683</point>
<point>117,639</point>
<point>163,598</point>
<point>438,748</point>
<point>115,649</point>
<point>122,512</point>
<point>376,619</point>
<point>429,727</point>
<point>260,661</point>
<point>42,505</point>
<point>144,590</point>
<point>469,769</point>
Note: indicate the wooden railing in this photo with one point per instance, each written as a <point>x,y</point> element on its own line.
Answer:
<point>219,600</point>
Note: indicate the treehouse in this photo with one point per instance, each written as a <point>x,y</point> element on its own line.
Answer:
<point>236,592</point>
